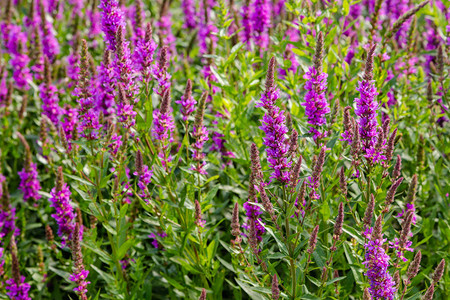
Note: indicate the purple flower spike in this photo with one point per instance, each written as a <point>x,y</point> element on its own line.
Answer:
<point>316,105</point>
<point>252,212</point>
<point>367,106</point>
<point>160,72</point>
<point>187,101</point>
<point>188,7</point>
<point>164,25</point>
<point>382,286</point>
<point>246,33</point>
<point>7,218</point>
<point>80,274</point>
<point>145,51</point>
<point>200,134</point>
<point>144,177</point>
<point>274,126</point>
<point>18,290</point>
<point>64,216</point>
<point>163,127</point>
<point>123,67</point>
<point>261,22</point>
<point>112,19</point>
<point>105,93</point>
<point>17,46</point>
<point>29,184</point>
<point>49,95</point>
<point>90,126</point>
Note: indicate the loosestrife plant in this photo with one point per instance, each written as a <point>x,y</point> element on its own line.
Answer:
<point>246,149</point>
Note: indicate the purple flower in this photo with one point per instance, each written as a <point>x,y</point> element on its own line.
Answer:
<point>115,144</point>
<point>3,86</point>
<point>105,91</point>
<point>188,7</point>
<point>49,42</point>
<point>366,110</point>
<point>2,261</point>
<point>316,105</point>
<point>21,73</point>
<point>29,184</point>
<point>80,274</point>
<point>95,24</point>
<point>18,290</point>
<point>2,179</point>
<point>16,46</point>
<point>246,33</point>
<point>155,241</point>
<point>145,178</point>
<point>207,41</point>
<point>163,127</point>
<point>7,220</point>
<point>125,113</point>
<point>49,95</point>
<point>164,25</point>
<point>201,135</point>
<point>409,207</point>
<point>112,19</point>
<point>382,286</point>
<point>89,117</point>
<point>187,102</point>
<point>143,56</point>
<point>274,126</point>
<point>70,123</point>
<point>261,22</point>
<point>252,212</point>
<point>219,146</point>
<point>73,68</point>
<point>64,216</point>
<point>160,73</point>
<point>123,68</point>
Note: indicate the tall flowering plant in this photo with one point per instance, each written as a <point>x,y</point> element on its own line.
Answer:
<point>111,190</point>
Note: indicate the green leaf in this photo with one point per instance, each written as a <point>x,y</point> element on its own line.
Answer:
<point>315,281</point>
<point>79,179</point>
<point>105,276</point>
<point>277,238</point>
<point>124,248</point>
<point>345,8</point>
<point>250,291</point>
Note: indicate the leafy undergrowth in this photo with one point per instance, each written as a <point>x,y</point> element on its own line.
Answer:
<point>220,149</point>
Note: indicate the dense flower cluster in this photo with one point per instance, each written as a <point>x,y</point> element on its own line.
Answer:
<point>80,274</point>
<point>144,52</point>
<point>8,221</point>
<point>367,111</point>
<point>253,212</point>
<point>316,105</point>
<point>155,242</point>
<point>145,178</point>
<point>106,83</point>
<point>274,126</point>
<point>382,286</point>
<point>112,19</point>
<point>188,7</point>
<point>261,22</point>
<point>29,183</point>
<point>64,216</point>
<point>201,135</point>
<point>18,290</point>
<point>187,102</point>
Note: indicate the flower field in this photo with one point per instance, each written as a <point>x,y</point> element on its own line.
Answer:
<point>224,149</point>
